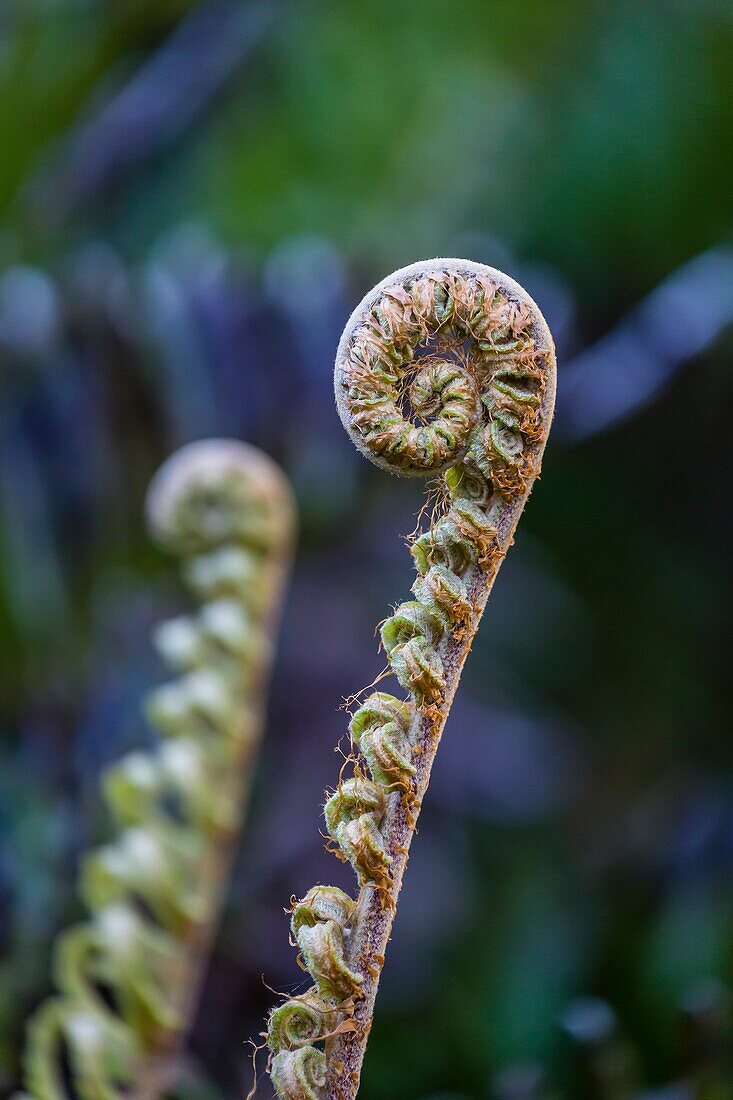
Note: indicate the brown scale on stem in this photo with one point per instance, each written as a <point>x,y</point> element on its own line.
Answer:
<point>445,370</point>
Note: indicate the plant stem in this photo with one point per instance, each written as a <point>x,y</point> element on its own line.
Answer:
<point>371,927</point>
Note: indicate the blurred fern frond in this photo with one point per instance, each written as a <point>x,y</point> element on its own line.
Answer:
<point>128,977</point>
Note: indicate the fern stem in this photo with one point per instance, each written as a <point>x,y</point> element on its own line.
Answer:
<point>371,926</point>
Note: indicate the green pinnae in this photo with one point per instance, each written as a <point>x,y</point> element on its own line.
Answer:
<point>299,1074</point>
<point>506,439</point>
<point>377,710</point>
<point>444,544</point>
<point>133,787</point>
<point>295,1023</point>
<point>464,480</point>
<point>444,305</point>
<point>472,523</point>
<point>500,347</point>
<point>446,592</point>
<point>353,814</point>
<point>237,573</point>
<point>179,643</point>
<point>419,670</point>
<point>354,798</point>
<point>322,951</point>
<point>517,384</point>
<point>411,620</point>
<point>388,753</point>
<point>362,844</point>
<point>322,903</point>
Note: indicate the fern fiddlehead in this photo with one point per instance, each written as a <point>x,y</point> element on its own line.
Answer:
<point>128,977</point>
<point>445,368</point>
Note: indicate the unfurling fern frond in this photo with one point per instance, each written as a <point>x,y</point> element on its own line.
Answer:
<point>128,977</point>
<point>445,368</point>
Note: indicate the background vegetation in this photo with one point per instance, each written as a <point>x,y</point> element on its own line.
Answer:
<point>192,197</point>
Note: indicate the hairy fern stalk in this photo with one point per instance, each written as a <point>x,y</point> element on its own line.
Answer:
<point>128,977</point>
<point>445,369</point>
